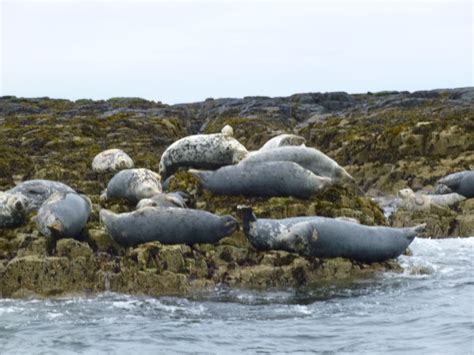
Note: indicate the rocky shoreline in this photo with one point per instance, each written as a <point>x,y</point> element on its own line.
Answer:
<point>387,141</point>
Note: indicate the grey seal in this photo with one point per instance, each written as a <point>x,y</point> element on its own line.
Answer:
<point>167,225</point>
<point>64,215</point>
<point>111,160</point>
<point>422,202</point>
<point>461,183</point>
<point>165,200</point>
<point>13,210</point>
<point>328,237</point>
<point>38,191</point>
<point>270,179</point>
<point>202,151</point>
<point>134,185</point>
<point>283,140</point>
<point>309,158</point>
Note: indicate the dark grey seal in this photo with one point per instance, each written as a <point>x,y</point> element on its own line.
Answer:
<point>270,179</point>
<point>13,210</point>
<point>38,191</point>
<point>165,200</point>
<point>167,225</point>
<point>134,185</point>
<point>309,158</point>
<point>328,237</point>
<point>461,183</point>
<point>63,215</point>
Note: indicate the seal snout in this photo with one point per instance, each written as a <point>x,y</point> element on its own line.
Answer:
<point>230,225</point>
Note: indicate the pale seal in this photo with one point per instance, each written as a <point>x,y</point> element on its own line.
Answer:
<point>13,210</point>
<point>422,202</point>
<point>64,215</point>
<point>111,160</point>
<point>165,200</point>
<point>272,179</point>
<point>202,151</point>
<point>38,191</point>
<point>309,158</point>
<point>167,225</point>
<point>283,140</point>
<point>134,185</point>
<point>328,237</point>
<point>461,183</point>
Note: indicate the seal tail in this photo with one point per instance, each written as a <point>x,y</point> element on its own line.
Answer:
<point>415,231</point>
<point>247,216</point>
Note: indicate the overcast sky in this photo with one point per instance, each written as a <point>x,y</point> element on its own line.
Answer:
<point>188,51</point>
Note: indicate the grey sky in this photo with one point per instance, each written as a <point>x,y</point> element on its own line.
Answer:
<point>181,51</point>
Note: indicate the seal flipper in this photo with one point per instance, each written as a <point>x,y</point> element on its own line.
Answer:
<point>247,216</point>
<point>299,239</point>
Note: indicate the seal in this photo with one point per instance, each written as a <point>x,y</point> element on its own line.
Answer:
<point>283,140</point>
<point>461,183</point>
<point>64,215</point>
<point>133,185</point>
<point>165,200</point>
<point>412,201</point>
<point>167,225</point>
<point>111,160</point>
<point>38,191</point>
<point>327,237</point>
<point>271,179</point>
<point>309,158</point>
<point>202,151</point>
<point>13,210</point>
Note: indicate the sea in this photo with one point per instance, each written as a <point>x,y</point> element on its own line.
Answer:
<point>427,309</point>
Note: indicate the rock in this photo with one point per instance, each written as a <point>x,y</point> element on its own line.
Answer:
<point>73,249</point>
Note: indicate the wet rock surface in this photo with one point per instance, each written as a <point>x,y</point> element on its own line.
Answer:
<point>387,141</point>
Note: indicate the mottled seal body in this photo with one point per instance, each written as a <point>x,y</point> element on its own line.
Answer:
<point>202,151</point>
<point>422,202</point>
<point>134,185</point>
<point>328,237</point>
<point>38,191</point>
<point>309,158</point>
<point>63,215</point>
<point>461,183</point>
<point>165,200</point>
<point>167,225</point>
<point>262,179</point>
<point>283,140</point>
<point>111,160</point>
<point>13,210</point>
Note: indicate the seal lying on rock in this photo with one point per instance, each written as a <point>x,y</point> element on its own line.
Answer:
<point>461,183</point>
<point>202,151</point>
<point>37,192</point>
<point>283,140</point>
<point>165,200</point>
<point>134,185</point>
<point>269,179</point>
<point>412,201</point>
<point>64,215</point>
<point>13,210</point>
<point>309,158</point>
<point>328,237</point>
<point>111,160</point>
<point>167,225</point>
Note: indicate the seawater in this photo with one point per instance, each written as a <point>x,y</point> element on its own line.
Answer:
<point>428,309</point>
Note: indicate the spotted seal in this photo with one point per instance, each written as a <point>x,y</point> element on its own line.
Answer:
<point>271,179</point>
<point>283,140</point>
<point>133,185</point>
<point>13,210</point>
<point>328,237</point>
<point>309,158</point>
<point>111,160</point>
<point>202,151</point>
<point>64,215</point>
<point>422,202</point>
<point>461,183</point>
<point>38,191</point>
<point>165,200</point>
<point>167,225</point>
